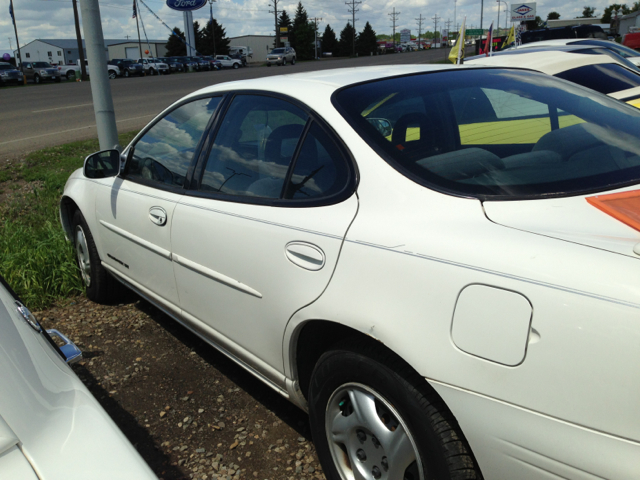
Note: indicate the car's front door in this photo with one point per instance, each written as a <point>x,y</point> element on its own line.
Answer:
<point>135,214</point>
<point>263,234</point>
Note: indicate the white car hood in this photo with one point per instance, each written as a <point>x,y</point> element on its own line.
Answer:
<point>572,219</point>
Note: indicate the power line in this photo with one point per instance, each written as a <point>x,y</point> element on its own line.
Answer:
<point>419,20</point>
<point>275,14</point>
<point>394,17</point>
<point>352,11</point>
<point>315,36</point>
<point>435,26</point>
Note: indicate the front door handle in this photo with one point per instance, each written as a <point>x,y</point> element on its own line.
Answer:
<point>158,215</point>
<point>305,255</point>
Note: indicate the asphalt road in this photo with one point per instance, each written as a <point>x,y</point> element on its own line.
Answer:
<point>36,117</point>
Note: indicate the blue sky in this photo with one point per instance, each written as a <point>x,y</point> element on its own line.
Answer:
<point>54,18</point>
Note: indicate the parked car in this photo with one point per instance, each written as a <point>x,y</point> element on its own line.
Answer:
<point>50,425</point>
<point>71,72</point>
<point>200,64</point>
<point>439,263</point>
<point>174,65</point>
<point>282,55</point>
<point>186,63</point>
<point>631,40</point>
<point>244,51</point>
<point>128,67</point>
<point>597,68</point>
<point>154,66</point>
<point>227,62</point>
<point>625,52</point>
<point>213,63</point>
<point>10,74</point>
<point>40,72</point>
<point>574,31</point>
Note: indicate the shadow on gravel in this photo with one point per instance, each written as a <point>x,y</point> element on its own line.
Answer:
<point>137,434</point>
<point>281,407</point>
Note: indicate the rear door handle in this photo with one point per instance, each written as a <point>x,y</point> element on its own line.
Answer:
<point>305,255</point>
<point>158,215</point>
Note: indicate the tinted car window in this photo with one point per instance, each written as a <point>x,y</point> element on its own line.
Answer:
<point>163,154</point>
<point>498,133</point>
<point>320,169</point>
<point>603,78</point>
<point>621,50</point>
<point>254,147</point>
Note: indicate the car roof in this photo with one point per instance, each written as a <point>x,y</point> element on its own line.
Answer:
<point>547,61</point>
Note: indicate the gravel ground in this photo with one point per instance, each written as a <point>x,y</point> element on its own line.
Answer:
<point>190,411</point>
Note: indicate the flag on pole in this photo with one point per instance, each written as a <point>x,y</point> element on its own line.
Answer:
<point>511,38</point>
<point>135,13</point>
<point>457,52</point>
<point>13,19</point>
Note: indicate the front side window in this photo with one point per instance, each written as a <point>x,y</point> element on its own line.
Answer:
<point>495,133</point>
<point>163,154</point>
<point>604,78</point>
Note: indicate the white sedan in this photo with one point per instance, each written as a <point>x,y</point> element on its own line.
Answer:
<point>51,427</point>
<point>439,263</point>
<point>625,52</point>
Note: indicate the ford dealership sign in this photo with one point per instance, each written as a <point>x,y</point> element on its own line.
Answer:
<point>184,5</point>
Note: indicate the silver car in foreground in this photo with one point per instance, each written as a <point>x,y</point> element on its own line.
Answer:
<point>51,427</point>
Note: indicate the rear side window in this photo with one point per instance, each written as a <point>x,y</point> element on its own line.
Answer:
<point>164,153</point>
<point>603,78</point>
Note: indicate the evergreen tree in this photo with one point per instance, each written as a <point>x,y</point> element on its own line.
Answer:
<point>176,47</point>
<point>609,13</point>
<point>345,45</point>
<point>199,38</point>
<point>553,16</point>
<point>284,21</point>
<point>588,12</point>
<point>367,42</point>
<point>220,36</point>
<point>329,41</point>
<point>302,34</point>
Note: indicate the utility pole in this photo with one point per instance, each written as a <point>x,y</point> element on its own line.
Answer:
<point>448,22</point>
<point>213,35</point>
<point>435,26</point>
<point>83,68</point>
<point>419,20</point>
<point>315,36</point>
<point>10,44</point>
<point>455,6</point>
<point>394,17</point>
<point>275,13</point>
<point>15,29</point>
<point>481,12</point>
<point>352,11</point>
<point>135,14</point>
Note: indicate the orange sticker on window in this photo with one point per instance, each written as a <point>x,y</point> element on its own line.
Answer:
<point>623,206</point>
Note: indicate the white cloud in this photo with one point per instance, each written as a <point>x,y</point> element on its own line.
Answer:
<point>54,18</point>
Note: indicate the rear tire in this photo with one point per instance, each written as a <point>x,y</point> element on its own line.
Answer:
<point>293,61</point>
<point>126,73</point>
<point>100,286</point>
<point>152,72</point>
<point>372,416</point>
<point>71,75</point>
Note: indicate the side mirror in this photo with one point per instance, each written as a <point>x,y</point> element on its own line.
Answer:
<point>102,164</point>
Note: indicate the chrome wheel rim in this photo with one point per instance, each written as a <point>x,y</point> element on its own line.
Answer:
<point>368,438</point>
<point>82,252</point>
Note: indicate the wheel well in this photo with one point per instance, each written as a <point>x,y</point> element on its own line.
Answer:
<point>318,336</point>
<point>67,209</point>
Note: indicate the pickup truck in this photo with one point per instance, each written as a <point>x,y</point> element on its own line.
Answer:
<point>153,66</point>
<point>73,71</point>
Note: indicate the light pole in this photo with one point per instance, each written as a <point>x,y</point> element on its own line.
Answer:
<point>506,9</point>
<point>498,17</point>
<point>213,36</point>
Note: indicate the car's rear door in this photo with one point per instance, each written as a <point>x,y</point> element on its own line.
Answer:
<point>135,213</point>
<point>261,236</point>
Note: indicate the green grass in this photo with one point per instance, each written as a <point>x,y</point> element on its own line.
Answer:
<point>35,258</point>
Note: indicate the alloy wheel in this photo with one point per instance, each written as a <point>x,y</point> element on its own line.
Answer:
<point>82,252</point>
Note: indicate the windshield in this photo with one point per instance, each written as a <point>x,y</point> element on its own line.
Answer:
<point>497,133</point>
<point>41,65</point>
<point>7,67</point>
<point>277,50</point>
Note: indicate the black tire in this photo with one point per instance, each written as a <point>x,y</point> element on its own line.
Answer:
<point>152,72</point>
<point>293,61</point>
<point>235,65</point>
<point>126,73</point>
<point>71,75</point>
<point>58,79</point>
<point>284,62</point>
<point>407,412</point>
<point>112,74</point>
<point>36,79</point>
<point>100,286</point>
<point>268,64</point>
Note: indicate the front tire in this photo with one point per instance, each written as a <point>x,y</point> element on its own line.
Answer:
<point>373,417</point>
<point>235,65</point>
<point>293,61</point>
<point>284,62</point>
<point>152,72</point>
<point>112,74</point>
<point>126,74</point>
<point>100,286</point>
<point>36,79</point>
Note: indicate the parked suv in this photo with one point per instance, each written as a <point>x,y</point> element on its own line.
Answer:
<point>10,74</point>
<point>173,64</point>
<point>40,71</point>
<point>228,62</point>
<point>127,66</point>
<point>154,66</point>
<point>282,55</point>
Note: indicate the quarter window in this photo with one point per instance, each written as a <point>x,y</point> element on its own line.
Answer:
<point>163,155</point>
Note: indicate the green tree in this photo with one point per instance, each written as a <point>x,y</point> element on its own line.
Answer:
<point>609,12</point>
<point>329,41</point>
<point>535,24</point>
<point>175,45</point>
<point>284,21</point>
<point>553,16</point>
<point>199,37</point>
<point>302,34</point>
<point>345,45</point>
<point>588,12</point>
<point>219,38</point>
<point>367,42</point>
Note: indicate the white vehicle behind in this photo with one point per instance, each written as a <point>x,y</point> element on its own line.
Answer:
<point>153,66</point>
<point>71,72</point>
<point>228,62</point>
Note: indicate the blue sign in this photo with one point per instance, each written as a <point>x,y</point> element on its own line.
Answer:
<point>185,5</point>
